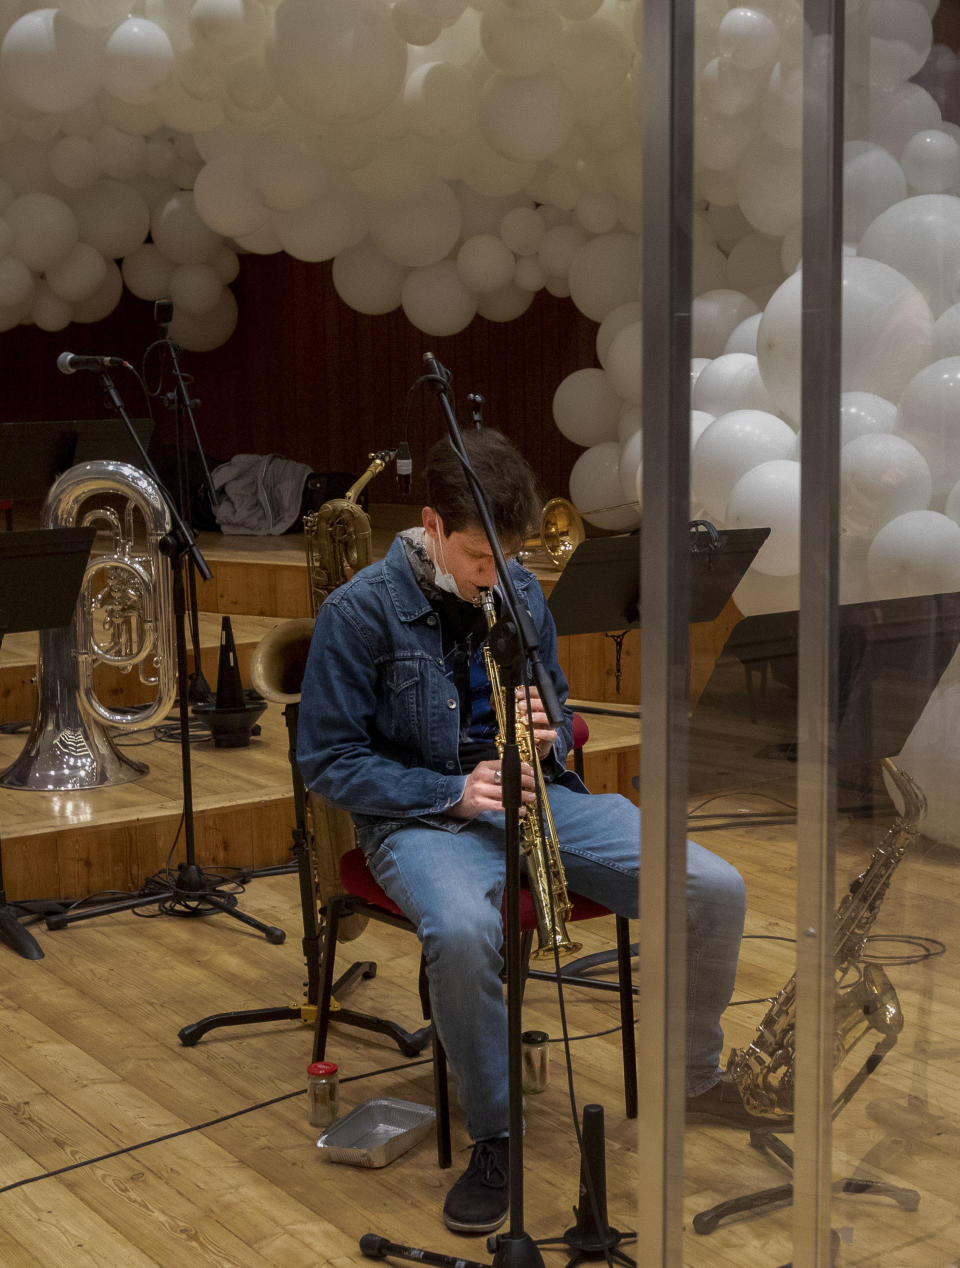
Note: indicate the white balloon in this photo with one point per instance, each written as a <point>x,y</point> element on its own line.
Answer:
<point>180,232</point>
<point>47,310</point>
<point>864,414</point>
<point>624,364</point>
<point>631,420</point>
<point>79,274</point>
<point>322,229</point>
<point>103,300</point>
<point>920,238</point>
<point>336,62</point>
<point>595,488</point>
<point>419,232</point>
<point>605,273</point>
<point>881,476</point>
<point>137,61</point>
<point>768,496</point>
<point>731,381</point>
<point>520,41</point>
<point>113,217</point>
<point>522,229</point>
<point>282,172</point>
<point>594,57</point>
<point>931,162</point>
<point>195,288</point>
<point>754,261</point>
<point>122,154</point>
<point>146,272</point>
<point>731,446</point>
<point>769,186</point>
<point>559,246</point>
<point>96,13</point>
<point>75,162</point>
<point>525,118</point>
<point>631,468</point>
<point>528,274</point>
<point>485,263</point>
<point>899,36</point>
<point>758,593</point>
<point>586,408</point>
<point>887,334</point>
<point>436,301</point>
<point>946,333</point>
<point>229,29</point>
<point>748,38</point>
<point>897,115</point>
<point>743,338</point>
<point>715,315</point>
<point>873,180</point>
<point>507,303</point>
<point>50,62</point>
<point>366,280</point>
<point>16,283</point>
<point>225,201</point>
<point>45,230</point>
<point>927,417</point>
<point>202,332</point>
<point>613,323</point>
<point>916,553</point>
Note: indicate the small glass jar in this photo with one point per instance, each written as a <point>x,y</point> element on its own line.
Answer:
<point>323,1093</point>
<point>536,1060</point>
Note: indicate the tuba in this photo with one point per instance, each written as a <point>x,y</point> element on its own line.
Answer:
<point>276,672</point>
<point>865,999</point>
<point>538,837</point>
<point>123,618</point>
<point>561,532</point>
<point>338,537</point>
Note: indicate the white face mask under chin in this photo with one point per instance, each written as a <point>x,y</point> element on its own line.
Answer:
<point>444,580</point>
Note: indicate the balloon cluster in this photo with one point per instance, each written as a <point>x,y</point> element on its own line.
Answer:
<point>900,458</point>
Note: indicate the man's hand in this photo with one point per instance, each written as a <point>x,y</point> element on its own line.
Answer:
<point>544,735</point>
<point>483,790</point>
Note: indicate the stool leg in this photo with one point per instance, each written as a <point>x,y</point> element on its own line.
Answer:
<point>628,1038</point>
<point>322,1024</point>
<point>441,1085</point>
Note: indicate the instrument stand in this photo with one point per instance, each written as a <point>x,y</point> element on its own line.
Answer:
<point>60,556</point>
<point>409,1044</point>
<point>191,892</point>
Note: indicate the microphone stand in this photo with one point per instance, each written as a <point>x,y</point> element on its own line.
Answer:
<point>181,404</point>
<point>192,893</point>
<point>513,641</point>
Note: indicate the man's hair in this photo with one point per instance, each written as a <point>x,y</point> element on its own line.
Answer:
<point>504,474</point>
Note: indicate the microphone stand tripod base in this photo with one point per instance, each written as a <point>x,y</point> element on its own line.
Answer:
<point>232,728</point>
<point>515,1250</point>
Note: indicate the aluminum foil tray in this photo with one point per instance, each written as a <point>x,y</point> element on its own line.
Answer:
<point>376,1132</point>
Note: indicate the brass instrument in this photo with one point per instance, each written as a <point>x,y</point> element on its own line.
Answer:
<point>338,537</point>
<point>538,837</point>
<point>866,999</point>
<point>561,531</point>
<point>123,617</point>
<point>276,672</point>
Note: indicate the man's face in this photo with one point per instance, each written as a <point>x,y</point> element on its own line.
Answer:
<point>465,554</point>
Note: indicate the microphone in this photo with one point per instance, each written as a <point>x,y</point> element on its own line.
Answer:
<point>70,363</point>
<point>404,467</point>
<point>437,371</point>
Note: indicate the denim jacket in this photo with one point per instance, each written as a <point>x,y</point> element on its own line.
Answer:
<point>379,721</point>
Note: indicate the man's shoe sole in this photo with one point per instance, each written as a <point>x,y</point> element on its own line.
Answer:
<point>456,1227</point>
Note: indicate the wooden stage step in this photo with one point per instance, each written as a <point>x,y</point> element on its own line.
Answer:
<point>18,660</point>
<point>71,844</point>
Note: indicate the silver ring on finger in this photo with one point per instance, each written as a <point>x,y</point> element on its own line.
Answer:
<point>497,776</point>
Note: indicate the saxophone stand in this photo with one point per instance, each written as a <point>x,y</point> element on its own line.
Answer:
<point>766,1141</point>
<point>59,555</point>
<point>191,892</point>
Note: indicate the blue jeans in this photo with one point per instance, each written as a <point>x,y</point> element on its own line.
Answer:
<point>451,886</point>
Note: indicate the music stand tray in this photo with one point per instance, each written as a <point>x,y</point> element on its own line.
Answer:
<point>31,457</point>
<point>41,572</point>
<point>599,589</point>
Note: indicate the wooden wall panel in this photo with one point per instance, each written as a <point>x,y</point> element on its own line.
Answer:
<point>306,376</point>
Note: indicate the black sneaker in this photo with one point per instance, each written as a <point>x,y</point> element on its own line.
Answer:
<point>478,1202</point>
<point>722,1105</point>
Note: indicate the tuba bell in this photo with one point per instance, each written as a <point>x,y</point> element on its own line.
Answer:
<point>123,618</point>
<point>561,532</point>
<point>276,672</point>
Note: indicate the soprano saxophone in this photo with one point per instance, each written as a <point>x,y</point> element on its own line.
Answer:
<point>865,999</point>
<point>538,835</point>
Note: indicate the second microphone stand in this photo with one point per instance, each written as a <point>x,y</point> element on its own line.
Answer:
<point>190,892</point>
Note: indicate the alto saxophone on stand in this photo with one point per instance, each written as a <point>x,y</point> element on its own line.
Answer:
<point>866,1000</point>
<point>538,835</point>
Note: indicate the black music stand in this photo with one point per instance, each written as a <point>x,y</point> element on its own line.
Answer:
<point>59,557</point>
<point>599,591</point>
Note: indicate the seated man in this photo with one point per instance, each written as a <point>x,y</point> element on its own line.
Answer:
<point>396,726</point>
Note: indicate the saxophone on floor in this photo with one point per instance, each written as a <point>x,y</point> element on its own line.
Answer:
<point>865,997</point>
<point>538,837</point>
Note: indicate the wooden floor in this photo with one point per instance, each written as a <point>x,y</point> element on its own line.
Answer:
<point>123,1147</point>
<point>91,1066</point>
